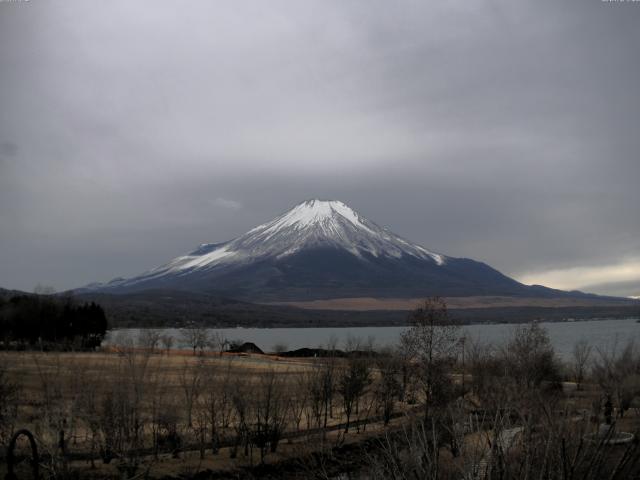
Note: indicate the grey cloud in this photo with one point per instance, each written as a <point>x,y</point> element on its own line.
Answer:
<point>8,149</point>
<point>227,203</point>
<point>618,289</point>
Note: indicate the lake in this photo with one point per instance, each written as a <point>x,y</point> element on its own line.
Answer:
<point>605,334</point>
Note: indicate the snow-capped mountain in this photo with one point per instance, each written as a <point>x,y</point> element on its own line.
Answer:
<point>321,249</point>
<point>314,223</point>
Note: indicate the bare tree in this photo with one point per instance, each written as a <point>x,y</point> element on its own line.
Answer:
<point>352,344</point>
<point>197,337</point>
<point>122,416</point>
<point>218,342</point>
<point>315,393</point>
<point>149,338</point>
<point>211,405</point>
<point>430,343</point>
<point>190,380</point>
<point>352,381</point>
<point>89,392</point>
<point>388,387</point>
<point>489,382</point>
<point>226,392</point>
<point>55,412</point>
<point>201,419</point>
<point>216,401</point>
<point>268,413</point>
<point>299,400</point>
<point>411,454</point>
<point>618,373</point>
<point>159,405</point>
<point>327,388</point>
<point>240,401</point>
<point>167,342</point>
<point>580,357</point>
<point>530,356</point>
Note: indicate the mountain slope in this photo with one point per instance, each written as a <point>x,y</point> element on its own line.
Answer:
<point>324,249</point>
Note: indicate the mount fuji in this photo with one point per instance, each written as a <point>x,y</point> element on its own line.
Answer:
<point>320,250</point>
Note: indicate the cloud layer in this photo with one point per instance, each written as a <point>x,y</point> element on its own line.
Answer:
<point>503,131</point>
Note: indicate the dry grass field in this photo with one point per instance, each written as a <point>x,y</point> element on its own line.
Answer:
<point>152,396</point>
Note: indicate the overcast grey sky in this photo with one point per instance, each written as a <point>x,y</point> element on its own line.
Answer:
<point>508,132</point>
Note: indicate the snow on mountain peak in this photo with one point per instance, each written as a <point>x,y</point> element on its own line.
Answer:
<point>313,223</point>
<point>313,212</point>
<point>310,224</point>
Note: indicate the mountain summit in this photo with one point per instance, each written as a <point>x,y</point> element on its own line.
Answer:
<point>311,224</point>
<point>323,249</point>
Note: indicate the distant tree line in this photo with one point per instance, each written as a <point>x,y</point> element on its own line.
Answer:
<point>52,322</point>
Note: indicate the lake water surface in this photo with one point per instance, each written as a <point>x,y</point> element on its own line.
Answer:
<point>605,334</point>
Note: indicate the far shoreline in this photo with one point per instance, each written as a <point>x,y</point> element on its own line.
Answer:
<point>395,325</point>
